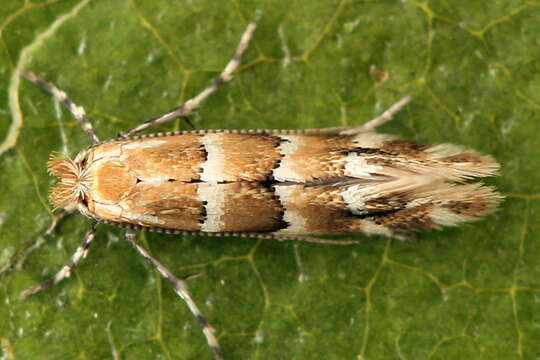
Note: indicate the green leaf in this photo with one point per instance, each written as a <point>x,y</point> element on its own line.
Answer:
<point>473,70</point>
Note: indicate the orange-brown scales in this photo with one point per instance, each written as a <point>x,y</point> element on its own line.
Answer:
<point>285,184</point>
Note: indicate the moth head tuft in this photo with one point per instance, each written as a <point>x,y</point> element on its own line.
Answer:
<point>74,181</point>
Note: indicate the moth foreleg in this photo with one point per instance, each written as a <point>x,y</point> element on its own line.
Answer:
<point>191,104</point>
<point>77,111</point>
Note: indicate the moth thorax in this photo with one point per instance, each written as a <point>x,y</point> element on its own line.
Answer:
<point>74,182</point>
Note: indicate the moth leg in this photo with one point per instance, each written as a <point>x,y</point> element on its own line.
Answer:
<point>80,253</point>
<point>344,130</point>
<point>78,112</point>
<point>379,120</point>
<point>189,122</point>
<point>37,243</point>
<point>55,221</point>
<point>180,287</point>
<point>191,104</point>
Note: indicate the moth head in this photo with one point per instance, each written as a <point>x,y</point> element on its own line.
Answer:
<point>73,188</point>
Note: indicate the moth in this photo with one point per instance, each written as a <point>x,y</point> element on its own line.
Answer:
<point>278,184</point>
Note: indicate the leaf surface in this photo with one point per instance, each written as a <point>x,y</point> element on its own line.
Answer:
<point>473,70</point>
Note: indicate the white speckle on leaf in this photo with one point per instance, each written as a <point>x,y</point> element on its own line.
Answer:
<point>82,46</point>
<point>444,295</point>
<point>61,129</point>
<point>108,82</point>
<point>112,238</point>
<point>442,69</point>
<point>349,26</point>
<point>151,279</point>
<point>45,271</point>
<point>345,62</point>
<point>114,352</point>
<point>59,301</point>
<point>493,71</point>
<point>286,52</point>
<point>339,42</point>
<point>301,338</point>
<point>468,119</point>
<point>508,126</point>
<point>259,337</point>
<point>343,114</point>
<point>60,243</point>
<point>57,110</point>
<point>432,34</point>
<point>31,105</point>
<point>258,14</point>
<point>6,254</point>
<point>398,348</point>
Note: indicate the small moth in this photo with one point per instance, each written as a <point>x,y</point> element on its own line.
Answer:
<point>278,184</point>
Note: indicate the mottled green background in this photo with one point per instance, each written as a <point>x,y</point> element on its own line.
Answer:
<point>473,68</point>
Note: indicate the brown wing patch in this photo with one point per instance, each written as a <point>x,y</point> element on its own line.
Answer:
<point>405,147</point>
<point>170,205</point>
<point>176,157</point>
<point>411,219</point>
<point>313,158</point>
<point>249,157</point>
<point>250,207</point>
